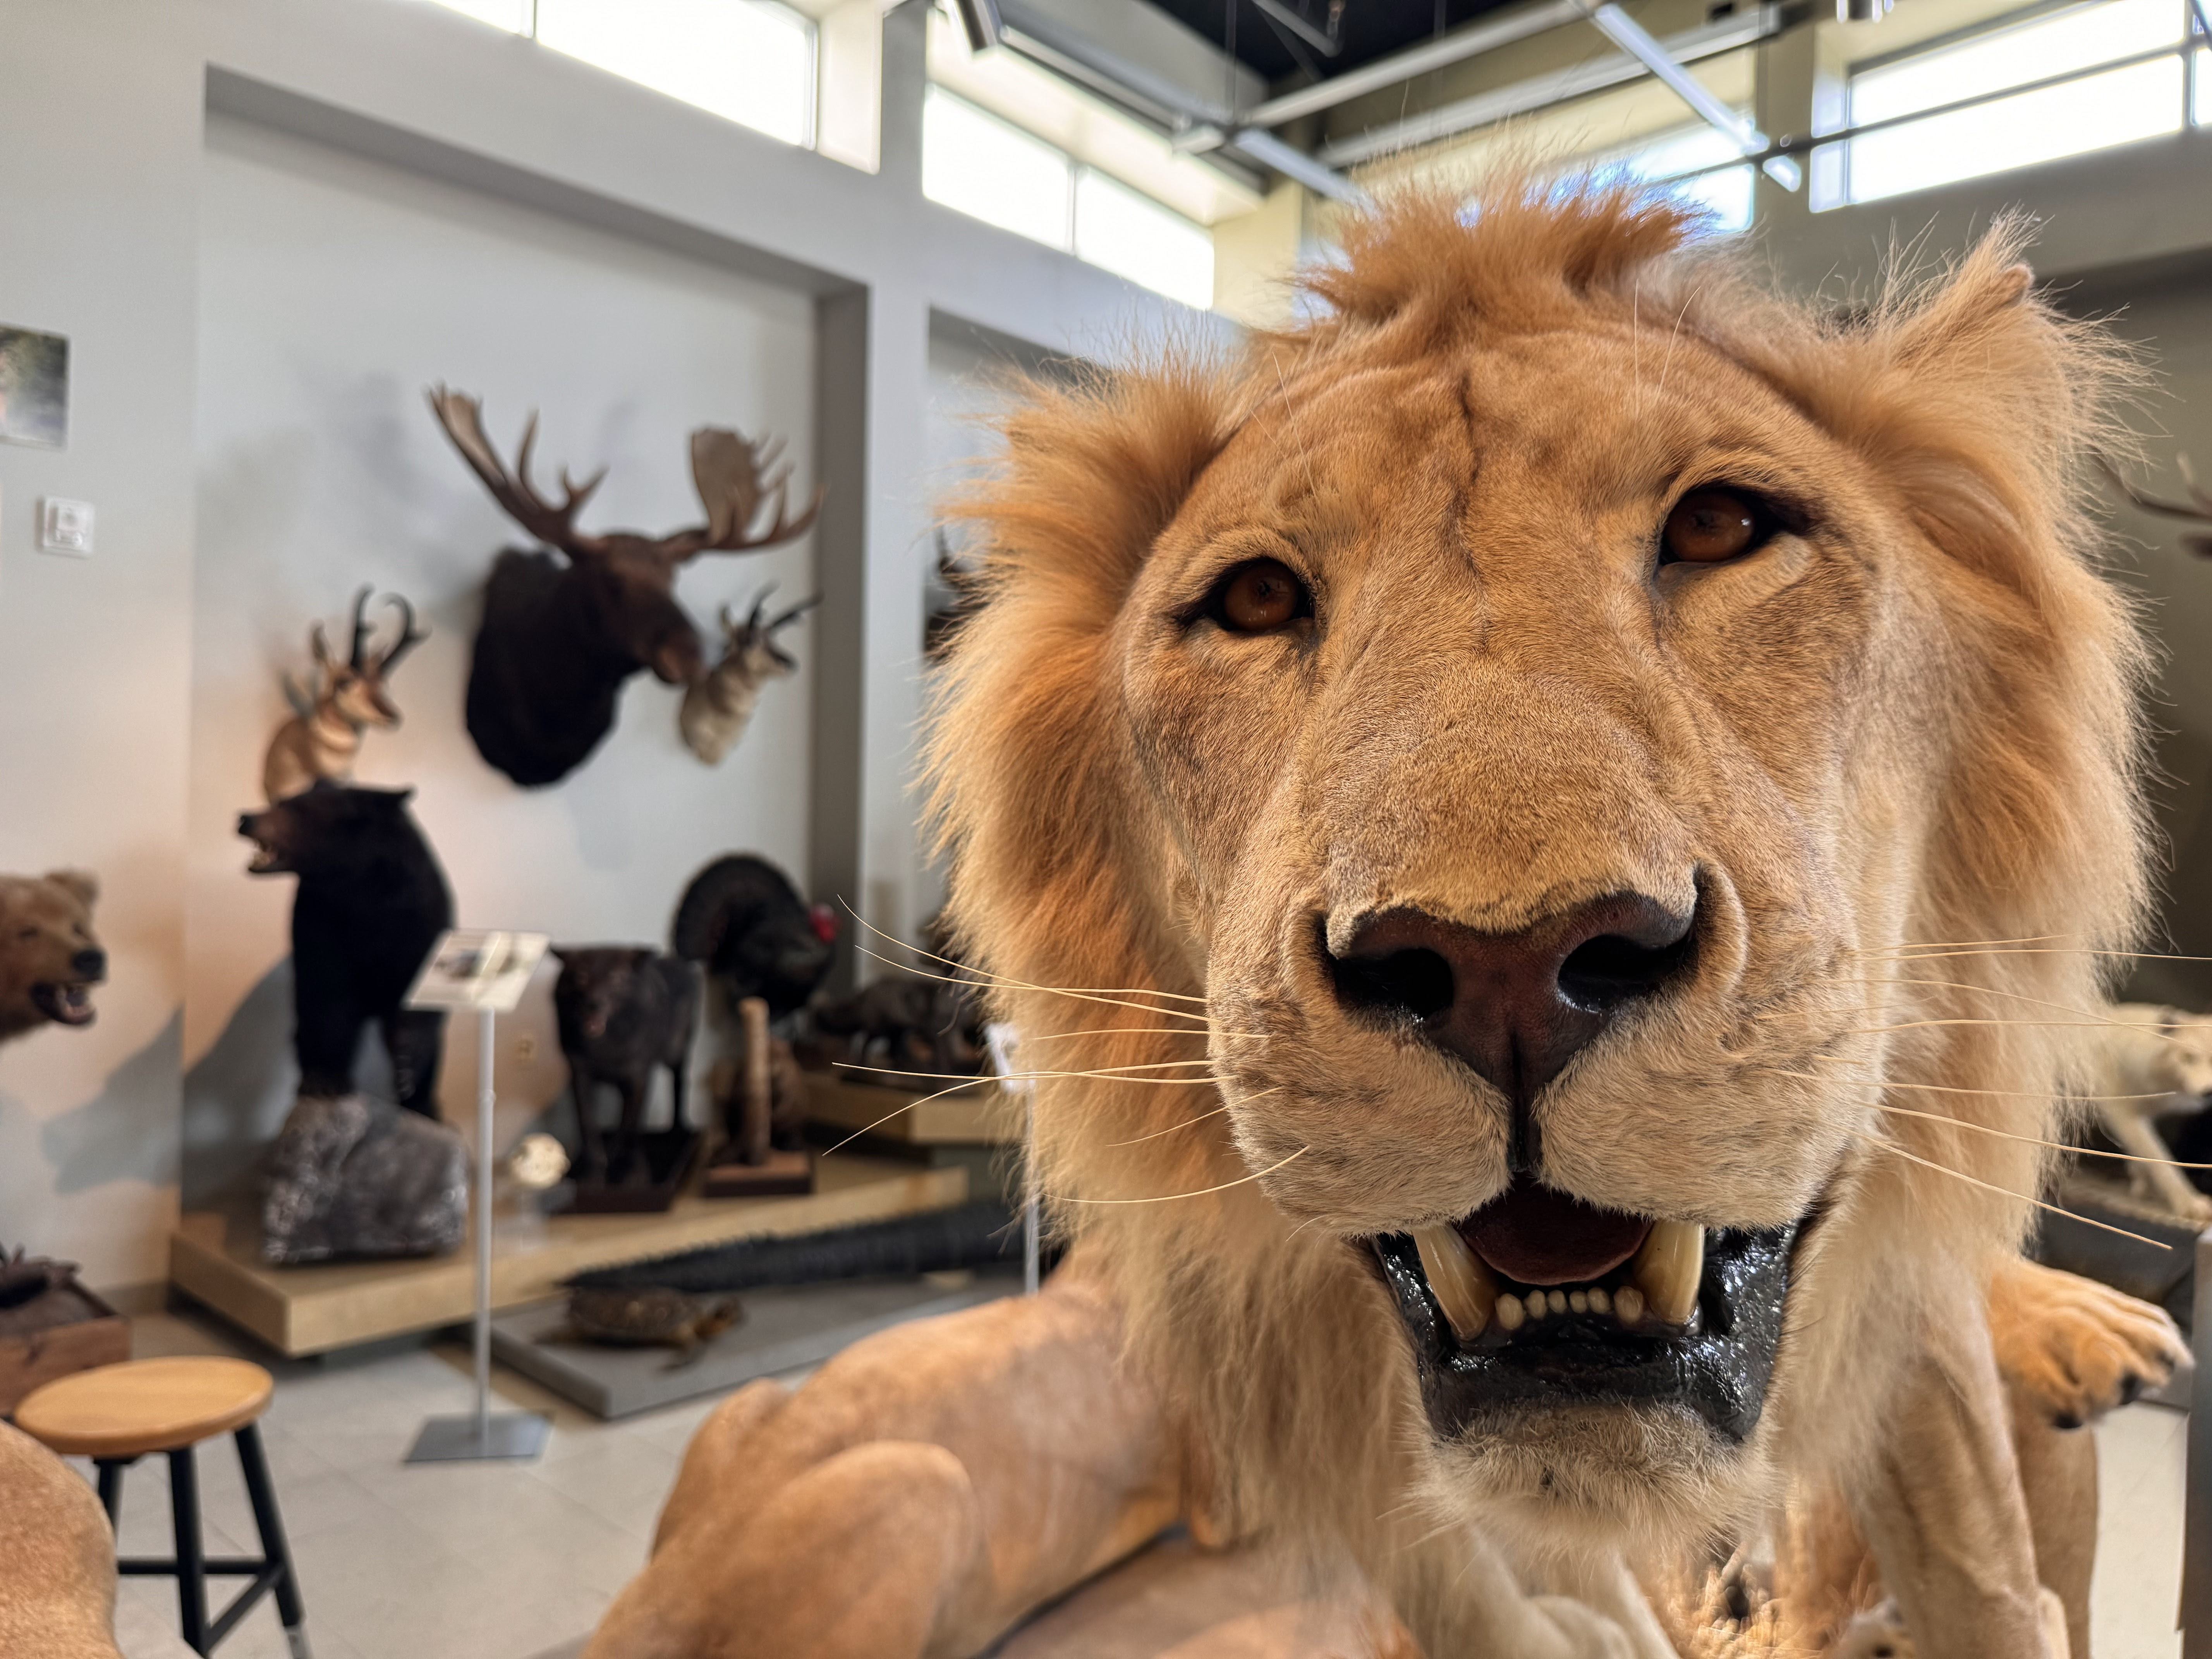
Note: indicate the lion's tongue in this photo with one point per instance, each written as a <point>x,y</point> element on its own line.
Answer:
<point>1543,1237</point>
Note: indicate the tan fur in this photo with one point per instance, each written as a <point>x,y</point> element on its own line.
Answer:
<point>45,922</point>
<point>1909,725</point>
<point>58,1584</point>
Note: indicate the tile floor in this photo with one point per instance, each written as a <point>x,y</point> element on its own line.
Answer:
<point>517,1561</point>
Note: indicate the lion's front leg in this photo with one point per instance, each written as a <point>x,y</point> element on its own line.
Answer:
<point>921,1493</point>
<point>1462,1598</point>
<point>1942,1507</point>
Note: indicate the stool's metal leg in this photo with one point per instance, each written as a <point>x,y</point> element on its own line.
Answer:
<point>111,1491</point>
<point>191,1560</point>
<point>270,1524</point>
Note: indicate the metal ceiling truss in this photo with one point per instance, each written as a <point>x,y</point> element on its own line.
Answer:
<point>1202,125</point>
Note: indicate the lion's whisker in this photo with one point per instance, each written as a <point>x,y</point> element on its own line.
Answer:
<point>2035,1140</point>
<point>1170,1198</point>
<point>1137,990</point>
<point>2016,996</point>
<point>1049,990</point>
<point>1952,1088</point>
<point>923,1100</point>
<point>2006,1192</point>
<point>1173,1128</point>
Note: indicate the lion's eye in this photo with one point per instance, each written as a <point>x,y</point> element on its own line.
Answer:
<point>1709,526</point>
<point>1259,596</point>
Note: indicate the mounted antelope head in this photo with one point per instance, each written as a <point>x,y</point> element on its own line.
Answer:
<point>560,635</point>
<point>718,705</point>
<point>323,737</point>
<point>2196,510</point>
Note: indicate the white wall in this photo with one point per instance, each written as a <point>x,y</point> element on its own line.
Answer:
<point>333,289</point>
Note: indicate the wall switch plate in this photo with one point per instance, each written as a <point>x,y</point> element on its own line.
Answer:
<point>65,527</point>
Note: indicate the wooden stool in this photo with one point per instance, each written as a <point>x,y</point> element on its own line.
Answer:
<point>117,1414</point>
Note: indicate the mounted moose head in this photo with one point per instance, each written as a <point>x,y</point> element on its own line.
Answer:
<point>323,737</point>
<point>559,638</point>
<point>2198,510</point>
<point>719,704</point>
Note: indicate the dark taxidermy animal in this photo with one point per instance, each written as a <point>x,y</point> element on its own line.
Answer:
<point>622,1010</point>
<point>323,737</point>
<point>2196,510</point>
<point>718,706</point>
<point>743,920</point>
<point>652,1317</point>
<point>24,1278</point>
<point>561,634</point>
<point>372,902</point>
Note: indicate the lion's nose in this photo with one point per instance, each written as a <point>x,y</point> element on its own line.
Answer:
<point>1516,1007</point>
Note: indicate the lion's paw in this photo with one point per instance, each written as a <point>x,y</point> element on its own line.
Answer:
<point>2076,1348</point>
<point>1878,1633</point>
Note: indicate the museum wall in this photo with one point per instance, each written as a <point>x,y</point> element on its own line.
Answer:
<point>333,291</point>
<point>99,167</point>
<point>2170,317</point>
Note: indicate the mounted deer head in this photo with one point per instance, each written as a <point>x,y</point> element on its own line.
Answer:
<point>2196,510</point>
<point>719,704</point>
<point>323,737</point>
<point>559,638</point>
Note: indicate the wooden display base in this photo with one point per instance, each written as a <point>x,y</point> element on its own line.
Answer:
<point>658,1168</point>
<point>53,1334</point>
<point>981,1114</point>
<point>215,1257</point>
<point>728,1176</point>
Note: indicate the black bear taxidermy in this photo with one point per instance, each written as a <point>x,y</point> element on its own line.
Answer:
<point>563,630</point>
<point>372,902</point>
<point>622,1010</point>
<point>743,920</point>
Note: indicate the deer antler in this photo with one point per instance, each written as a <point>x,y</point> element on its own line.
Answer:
<point>409,636</point>
<point>2198,510</point>
<point>735,477</point>
<point>462,417</point>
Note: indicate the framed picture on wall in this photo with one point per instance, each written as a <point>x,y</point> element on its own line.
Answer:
<point>33,388</point>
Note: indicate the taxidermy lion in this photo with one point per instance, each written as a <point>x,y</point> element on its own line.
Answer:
<point>1507,813</point>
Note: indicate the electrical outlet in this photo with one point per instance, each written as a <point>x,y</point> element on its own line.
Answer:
<point>65,527</point>
<point>526,1049</point>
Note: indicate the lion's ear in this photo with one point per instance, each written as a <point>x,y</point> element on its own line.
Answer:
<point>80,884</point>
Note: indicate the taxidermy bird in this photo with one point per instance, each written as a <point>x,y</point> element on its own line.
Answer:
<point>322,739</point>
<point>719,705</point>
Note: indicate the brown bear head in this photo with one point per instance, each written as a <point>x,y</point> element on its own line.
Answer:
<point>49,958</point>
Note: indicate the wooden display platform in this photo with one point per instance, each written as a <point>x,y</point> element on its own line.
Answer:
<point>215,1258</point>
<point>729,1177</point>
<point>978,1114</point>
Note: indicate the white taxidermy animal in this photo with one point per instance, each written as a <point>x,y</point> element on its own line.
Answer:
<point>323,737</point>
<point>718,705</point>
<point>2147,1063</point>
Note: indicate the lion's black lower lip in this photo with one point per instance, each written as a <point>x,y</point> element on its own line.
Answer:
<point>1719,1368</point>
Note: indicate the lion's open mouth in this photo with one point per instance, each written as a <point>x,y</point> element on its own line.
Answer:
<point>66,1003</point>
<point>1538,1300</point>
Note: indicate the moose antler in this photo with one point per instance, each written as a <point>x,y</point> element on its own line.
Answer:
<point>735,476</point>
<point>2198,510</point>
<point>462,417</point>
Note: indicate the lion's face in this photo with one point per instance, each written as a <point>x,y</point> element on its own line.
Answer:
<point>1545,739</point>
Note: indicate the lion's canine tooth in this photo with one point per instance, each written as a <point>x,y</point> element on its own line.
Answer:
<point>1628,1304</point>
<point>1462,1285</point>
<point>1667,1270</point>
<point>1510,1313</point>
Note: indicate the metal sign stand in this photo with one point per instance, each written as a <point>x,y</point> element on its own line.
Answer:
<point>1002,1040</point>
<point>486,972</point>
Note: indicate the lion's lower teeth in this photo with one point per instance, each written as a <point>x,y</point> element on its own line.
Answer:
<point>1462,1285</point>
<point>1666,1270</point>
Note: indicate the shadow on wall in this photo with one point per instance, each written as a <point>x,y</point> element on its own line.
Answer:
<point>237,1096</point>
<point>119,1134</point>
